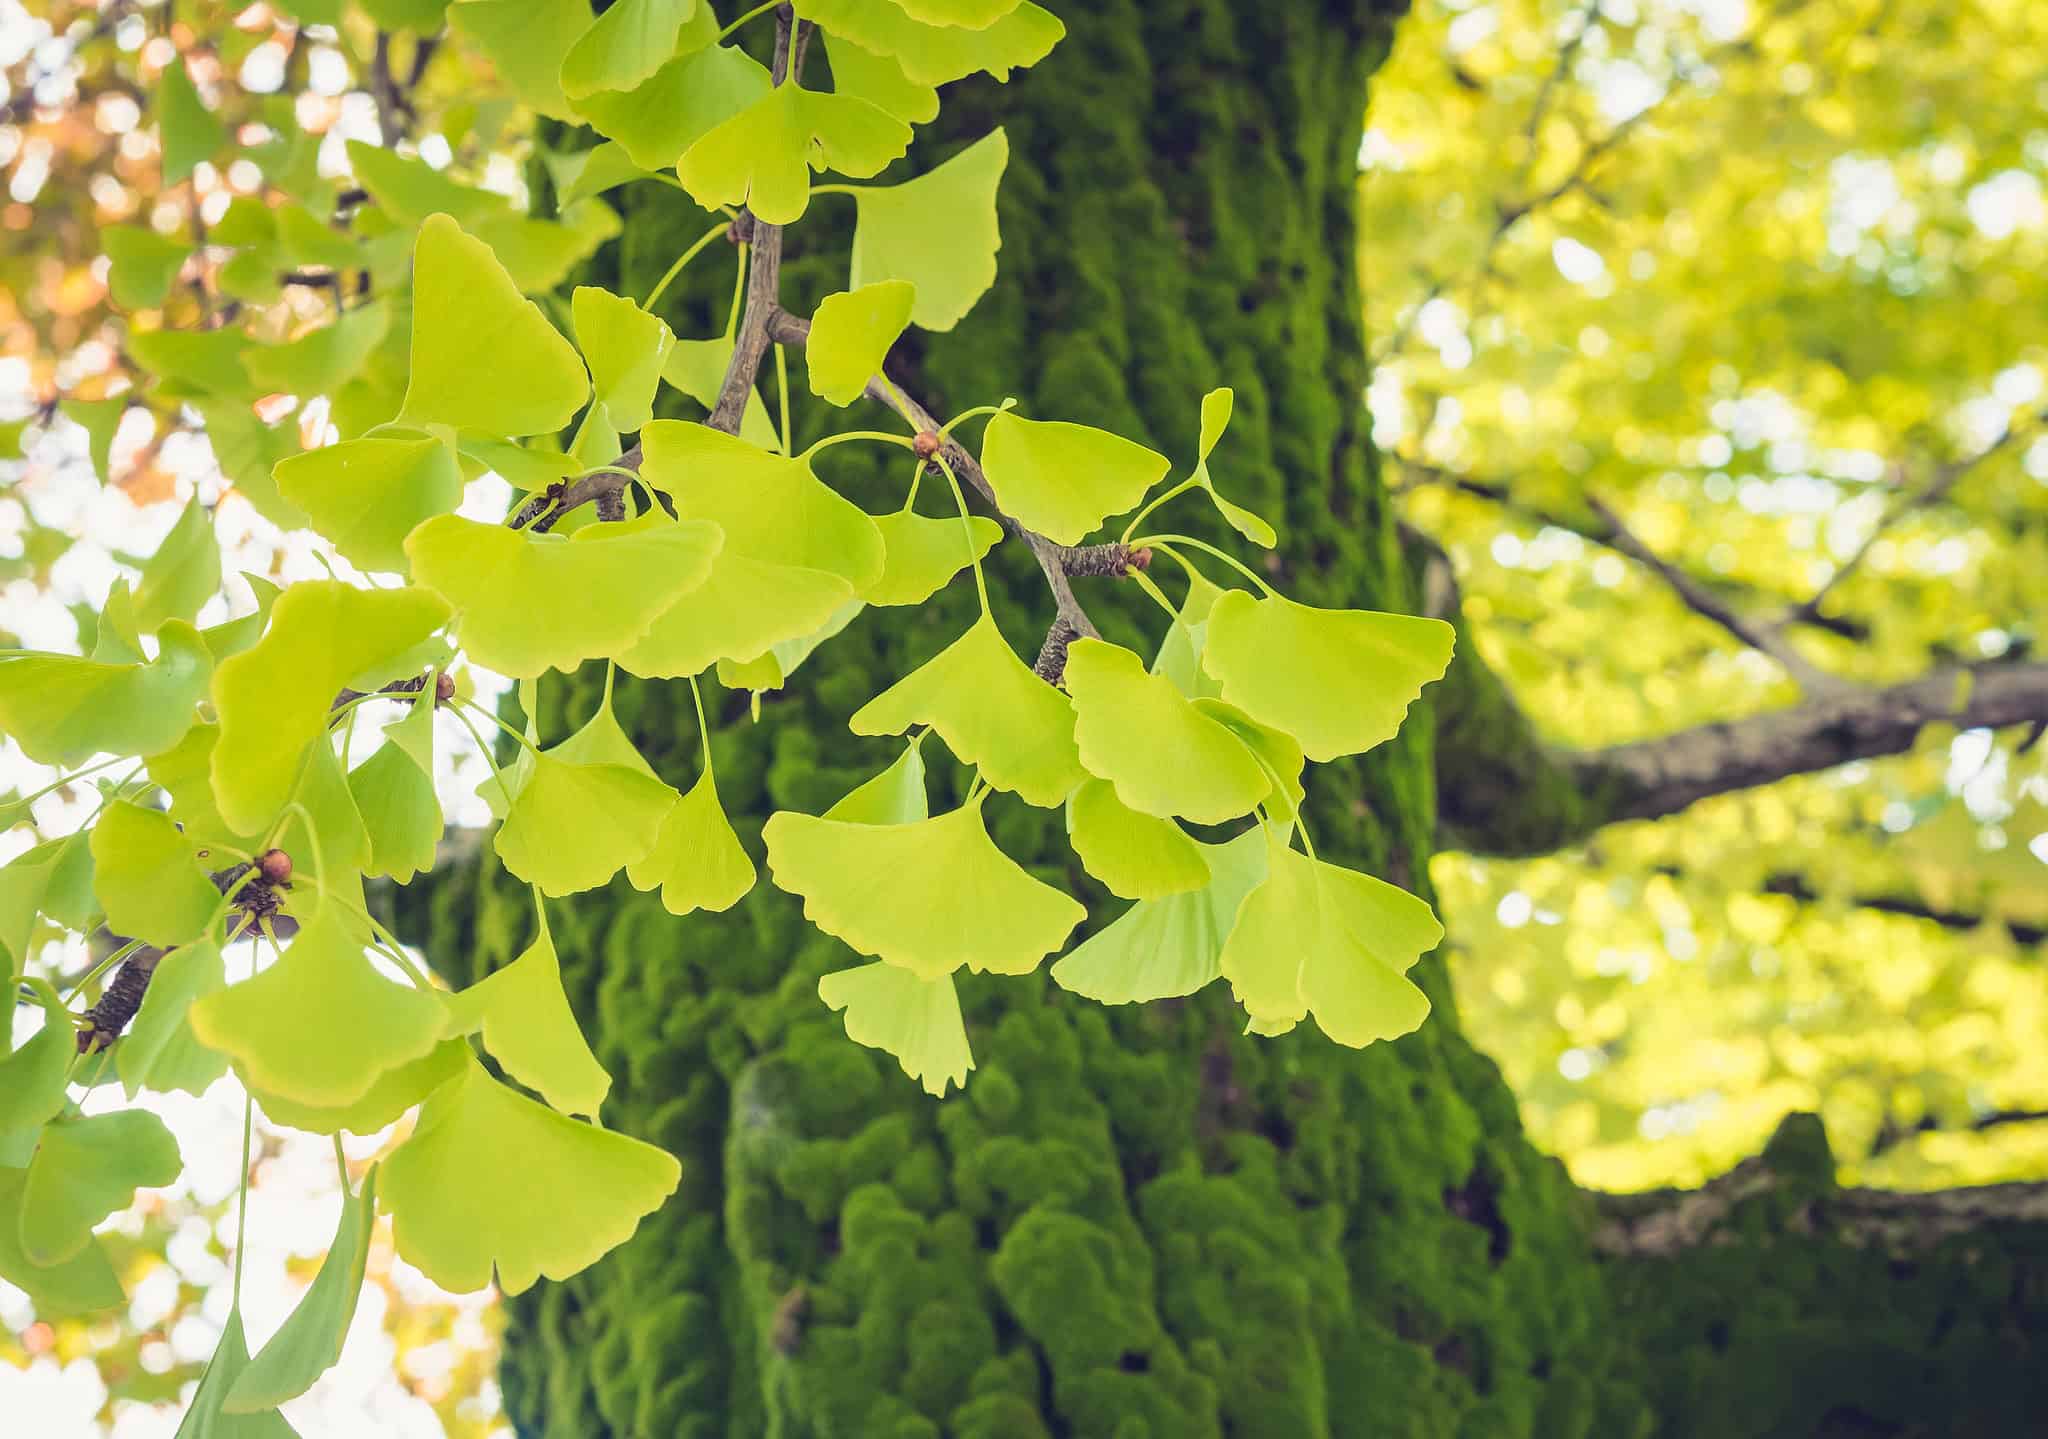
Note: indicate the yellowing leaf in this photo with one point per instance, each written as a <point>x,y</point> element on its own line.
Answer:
<point>1063,480</point>
<point>991,710</point>
<point>921,554</point>
<point>762,157</point>
<point>626,349</point>
<point>146,877</point>
<point>1162,948</point>
<point>527,1025</point>
<point>939,54</point>
<point>973,14</point>
<point>851,333</point>
<point>1216,407</point>
<point>697,368</point>
<point>895,796</point>
<point>929,896</point>
<point>629,42</point>
<point>583,1190</point>
<point>657,120</point>
<point>697,861</point>
<point>63,710</point>
<point>1139,856</point>
<point>1337,680</point>
<point>740,613</point>
<point>573,826</point>
<point>913,1018</point>
<point>879,80</point>
<point>952,265</point>
<point>483,356</point>
<point>321,1024</point>
<point>367,495</point>
<point>1164,756</point>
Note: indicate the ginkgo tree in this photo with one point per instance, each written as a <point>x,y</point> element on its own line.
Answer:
<point>240,805</point>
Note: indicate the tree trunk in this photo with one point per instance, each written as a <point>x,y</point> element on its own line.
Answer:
<point>1136,1221</point>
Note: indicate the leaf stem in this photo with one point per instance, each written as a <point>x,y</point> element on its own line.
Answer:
<point>63,779</point>
<point>102,967</point>
<point>758,10</point>
<point>242,1201</point>
<point>967,529</point>
<point>739,293</point>
<point>473,705</point>
<point>782,394</point>
<point>1145,583</point>
<point>703,729</point>
<point>882,437</point>
<point>695,249</point>
<point>1162,543</point>
<point>946,430</point>
<point>839,189</point>
<point>485,750</point>
<point>1155,502</point>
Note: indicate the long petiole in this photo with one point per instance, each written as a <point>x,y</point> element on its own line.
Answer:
<point>485,750</point>
<point>967,529</point>
<point>758,10</point>
<point>101,968</point>
<point>946,430</point>
<point>1159,597</point>
<point>739,293</point>
<point>703,729</point>
<point>916,482</point>
<point>882,437</point>
<point>473,705</point>
<point>1154,503</point>
<point>242,1202</point>
<point>782,394</point>
<point>1162,543</point>
<point>63,779</point>
<point>695,249</point>
<point>839,189</point>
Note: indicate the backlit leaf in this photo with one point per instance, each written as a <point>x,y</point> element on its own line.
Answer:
<point>697,860</point>
<point>527,1025</point>
<point>952,265</point>
<point>929,896</point>
<point>526,40</point>
<point>309,1341</point>
<point>32,1077</point>
<point>626,349</point>
<point>206,1418</point>
<point>394,793</point>
<point>921,554</point>
<point>573,826</point>
<point>1164,756</point>
<point>395,1091</point>
<point>683,101</point>
<point>913,1018</point>
<point>851,333</point>
<point>629,42</point>
<point>159,1051</point>
<point>146,877</point>
<point>974,14</point>
<point>1163,948</point>
<point>183,574</point>
<point>63,710</point>
<point>1215,418</point>
<point>584,1189</point>
<point>697,368</point>
<point>1139,856</point>
<point>879,80</point>
<point>895,796</point>
<point>1337,680</point>
<point>762,157</point>
<point>99,419</point>
<point>78,1285</point>
<point>85,1168</point>
<point>367,495</point>
<point>143,265</point>
<point>940,54</point>
<point>1063,480</point>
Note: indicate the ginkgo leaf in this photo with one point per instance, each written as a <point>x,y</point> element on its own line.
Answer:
<point>573,826</point>
<point>142,265</point>
<point>46,879</point>
<point>929,896</point>
<point>974,14</point>
<point>182,575</point>
<point>247,448</point>
<point>879,80</point>
<point>322,1023</point>
<point>921,554</point>
<point>483,356</point>
<point>409,190</point>
<point>1139,856</point>
<point>540,255</point>
<point>1061,479</point>
<point>78,1285</point>
<point>206,1417</point>
<point>771,670</point>
<point>367,495</point>
<point>952,265</point>
<point>190,134</point>
<point>583,1189</point>
<point>991,710</point>
<point>321,361</point>
<point>697,860</point>
<point>1279,753</point>
<point>530,603</point>
<point>895,796</point>
<point>526,40</point>
<point>118,640</point>
<point>1180,648</point>
<point>184,772</point>
<point>274,698</point>
<point>145,875</point>
<point>851,333</point>
<point>195,364</point>
<point>762,157</point>
<point>913,1018</point>
<point>1215,419</point>
<point>159,1051</point>
<point>523,1014</point>
<point>697,368</point>
<point>941,54</point>
<point>1164,756</point>
<point>395,1091</point>
<point>309,1341</point>
<point>100,419</point>
<point>626,349</point>
<point>32,1077</point>
<point>1314,937</point>
<point>1337,680</point>
<point>1163,948</point>
<point>85,1168</point>
<point>630,41</point>
<point>323,826</point>
<point>657,120</point>
<point>394,794</point>
<point>523,467</point>
<point>62,710</point>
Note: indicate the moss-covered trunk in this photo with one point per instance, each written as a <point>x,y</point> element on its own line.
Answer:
<point>1136,1222</point>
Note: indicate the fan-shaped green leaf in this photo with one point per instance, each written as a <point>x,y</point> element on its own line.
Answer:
<point>895,796</point>
<point>574,826</point>
<point>195,364</point>
<point>991,710</point>
<point>1279,753</point>
<point>159,1051</point>
<point>63,710</point>
<point>913,1018</point>
<point>99,419</point>
<point>941,54</point>
<point>683,101</point>
<point>189,133</point>
<point>851,333</point>
<point>584,1190</point>
<point>929,896</point>
<point>183,574</point>
<point>206,1418</point>
<point>697,860</point>
<point>184,772</point>
<point>411,191</point>
<point>309,1341</point>
<point>1139,856</point>
<point>740,613</point>
<point>394,794</point>
<point>530,603</point>
<point>526,40</point>
<point>1063,480</point>
<point>771,670</point>
<point>274,697</point>
<point>951,265</point>
<point>324,828</point>
<point>921,555</point>
<point>974,14</point>
<point>697,368</point>
<point>395,1091</point>
<point>520,466</point>
<point>879,80</point>
<point>321,361</point>
<point>1162,948</point>
<point>143,265</point>
<point>1164,756</point>
<point>32,1077</point>
<point>1337,680</point>
<point>761,157</point>
<point>54,879</point>
<point>1215,419</point>
<point>85,1168</point>
<point>626,349</point>
<point>247,449</point>
<point>320,1024</point>
<point>483,356</point>
<point>629,42</point>
<point>145,875</point>
<point>527,1025</point>
<point>78,1285</point>
<point>367,495</point>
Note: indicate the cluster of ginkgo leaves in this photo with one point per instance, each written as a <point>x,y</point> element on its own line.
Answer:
<point>239,805</point>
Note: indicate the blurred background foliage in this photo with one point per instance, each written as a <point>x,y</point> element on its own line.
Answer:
<point>1746,293</point>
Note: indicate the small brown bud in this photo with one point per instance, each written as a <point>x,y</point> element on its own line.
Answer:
<point>444,687</point>
<point>926,444</point>
<point>275,865</point>
<point>1141,559</point>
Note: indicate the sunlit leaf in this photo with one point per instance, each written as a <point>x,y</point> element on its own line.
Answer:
<point>879,80</point>
<point>1063,480</point>
<point>182,575</point>
<point>1337,680</point>
<point>309,1341</point>
<point>526,40</point>
<point>524,1017</point>
<point>185,773</point>
<point>678,105</point>
<point>1215,418</point>
<point>1139,856</point>
<point>1164,756</point>
<point>895,796</point>
<point>367,495</point>
<point>1162,948</point>
<point>952,265</point>
<point>913,1018</point>
<point>584,1190</point>
<point>206,1418</point>
<point>783,658</point>
<point>697,860</point>
<point>573,826</point>
<point>62,710</point>
<point>146,877</point>
<point>851,333</point>
<point>921,554</point>
<point>929,896</point>
<point>394,794</point>
<point>99,419</point>
<point>411,191</point>
<point>1279,754</point>
<point>626,349</point>
<point>974,14</point>
<point>630,41</point>
<point>395,1091</point>
<point>761,157</point>
<point>85,1168</point>
<point>159,1050</point>
<point>697,368</point>
<point>540,255</point>
<point>939,54</point>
